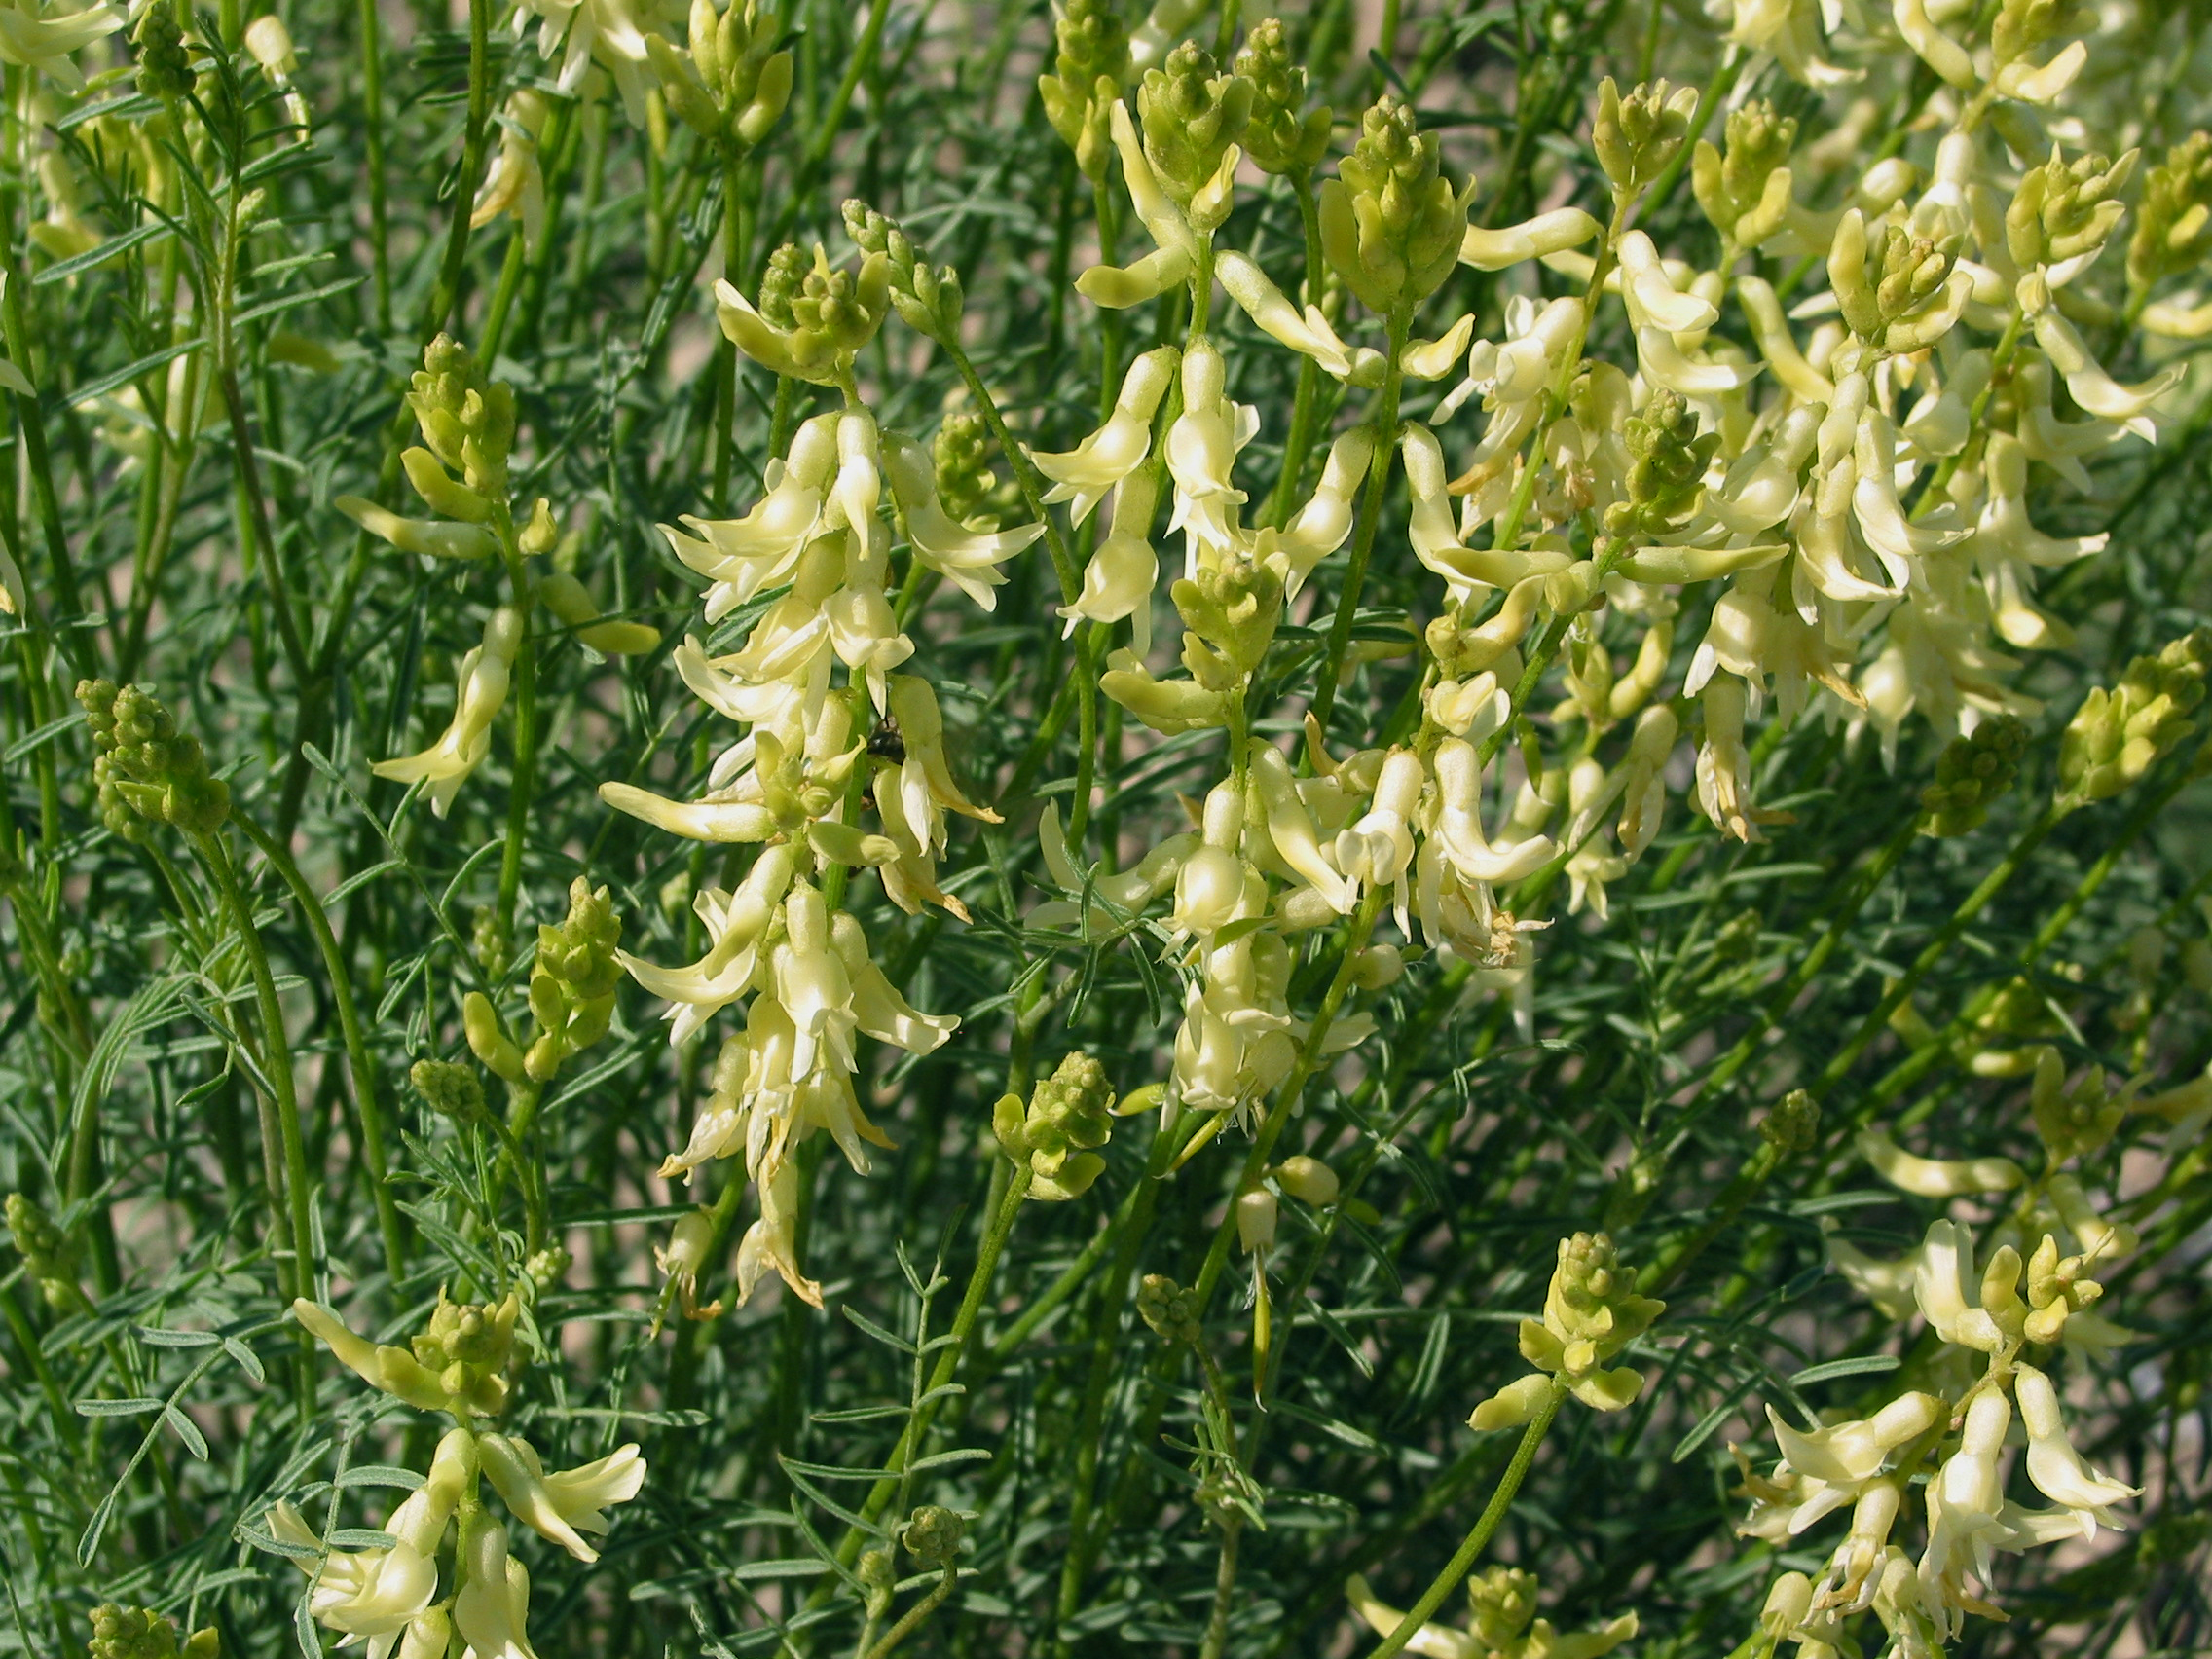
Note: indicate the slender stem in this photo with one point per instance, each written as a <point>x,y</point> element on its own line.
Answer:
<point>911,1619</point>
<point>521,790</point>
<point>1224,1590</point>
<point>445,294</point>
<point>371,26</point>
<point>256,527</point>
<point>1026,477</point>
<point>361,1067</point>
<point>1088,649</point>
<point>1878,1017</point>
<point>972,1300</point>
<point>1285,1103</point>
<point>1478,1540</point>
<point>1383,429</point>
<point>275,1065</point>
<point>1111,1302</point>
<point>1304,409</point>
<point>75,641</point>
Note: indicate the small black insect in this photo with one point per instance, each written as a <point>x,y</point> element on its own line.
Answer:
<point>885,743</point>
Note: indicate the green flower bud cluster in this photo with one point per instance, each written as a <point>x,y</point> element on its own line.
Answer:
<point>2073,1122</point>
<point>449,1088</point>
<point>1281,136</point>
<point>546,1268</point>
<point>960,458</point>
<point>2057,1290</point>
<point>733,89</point>
<point>146,771</point>
<point>2066,209</point>
<point>1636,136</point>
<point>2022,26</point>
<point>572,984</point>
<point>1794,1123</point>
<point>1885,297</point>
<point>932,1535</point>
<point>457,1363</point>
<point>821,314</point>
<point>468,424</point>
<point>2056,1287</point>
<point>1089,69</point>
<point>466,1347</point>
<point>1190,116</point>
<point>929,297</point>
<point>1230,616</point>
<point>1503,1599</point>
<point>165,69</point>
<point>781,282</point>
<point>1665,478</point>
<point>1171,1310</point>
<point>488,940</point>
<point>571,993</point>
<point>1972,774</point>
<point>2173,225</point>
<point>1591,1314</point>
<point>1392,225</point>
<point>1069,1115</point>
<point>140,1633</point>
<point>1744,191</point>
<point>2119,735</point>
<point>45,1250</point>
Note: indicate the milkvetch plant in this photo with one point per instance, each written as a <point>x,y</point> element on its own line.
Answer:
<point>1456,749</point>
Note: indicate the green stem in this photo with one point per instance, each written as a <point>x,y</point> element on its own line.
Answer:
<point>1878,1017</point>
<point>371,26</point>
<point>275,1063</point>
<point>359,1065</point>
<point>445,293</point>
<point>1383,429</point>
<point>911,1620</point>
<point>1478,1540</point>
<point>1304,410</point>
<point>1285,1103</point>
<point>971,1301</point>
<point>1026,477</point>
<point>75,641</point>
<point>521,792</point>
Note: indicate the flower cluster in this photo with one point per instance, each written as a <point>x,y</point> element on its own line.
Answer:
<point>829,730</point>
<point>1504,1625</point>
<point>1592,1312</point>
<point>2030,1298</point>
<point>467,424</point>
<point>396,1597</point>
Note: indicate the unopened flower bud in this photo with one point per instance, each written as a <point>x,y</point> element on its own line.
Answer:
<point>1281,136</point>
<point>1793,1123</point>
<point>1307,1180</point>
<point>480,1024</point>
<point>1256,1220</point>
<point>932,1535</point>
<point>1392,225</point>
<point>1972,774</point>
<point>1168,1309</point>
<point>1637,135</point>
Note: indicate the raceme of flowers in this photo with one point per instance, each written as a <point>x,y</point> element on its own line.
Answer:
<point>1835,471</point>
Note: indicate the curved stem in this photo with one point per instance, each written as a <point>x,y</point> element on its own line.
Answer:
<point>357,1061</point>
<point>1478,1540</point>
